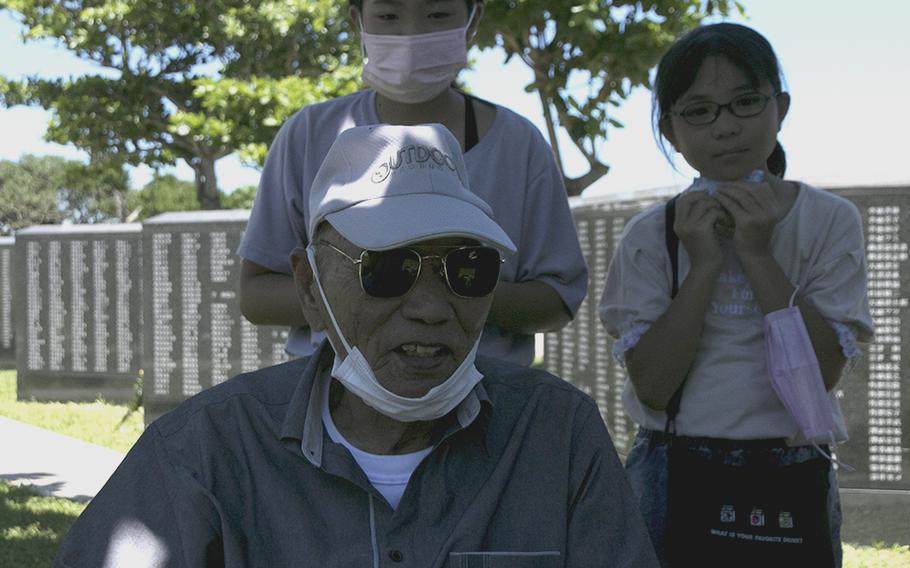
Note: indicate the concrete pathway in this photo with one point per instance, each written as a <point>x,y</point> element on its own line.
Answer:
<point>53,464</point>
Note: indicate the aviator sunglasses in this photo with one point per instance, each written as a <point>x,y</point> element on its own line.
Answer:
<point>469,271</point>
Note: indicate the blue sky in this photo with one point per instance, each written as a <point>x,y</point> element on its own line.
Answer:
<point>845,63</point>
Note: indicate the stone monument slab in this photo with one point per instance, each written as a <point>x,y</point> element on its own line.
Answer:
<point>196,337</point>
<point>78,335</point>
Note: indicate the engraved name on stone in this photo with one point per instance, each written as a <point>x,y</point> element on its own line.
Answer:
<point>33,307</point>
<point>123,284</point>
<point>78,307</point>
<point>6,300</point>
<point>56,310</point>
<point>886,256</point>
<point>101,305</point>
<point>163,338</point>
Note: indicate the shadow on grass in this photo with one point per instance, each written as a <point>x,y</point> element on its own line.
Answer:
<point>32,526</point>
<point>37,483</point>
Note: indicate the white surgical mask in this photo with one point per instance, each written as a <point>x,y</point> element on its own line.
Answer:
<point>355,373</point>
<point>414,68</point>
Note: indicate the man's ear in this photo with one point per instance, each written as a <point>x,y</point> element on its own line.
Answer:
<point>305,285</point>
<point>783,107</point>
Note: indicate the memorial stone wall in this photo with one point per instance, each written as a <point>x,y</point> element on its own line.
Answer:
<point>7,334</point>
<point>78,335</point>
<point>196,337</point>
<point>874,399</point>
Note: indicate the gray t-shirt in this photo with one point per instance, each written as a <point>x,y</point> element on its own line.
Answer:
<point>511,168</point>
<point>728,394</point>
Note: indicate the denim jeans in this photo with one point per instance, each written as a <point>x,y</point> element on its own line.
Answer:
<point>646,466</point>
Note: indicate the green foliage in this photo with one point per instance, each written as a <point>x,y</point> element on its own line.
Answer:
<point>28,192</point>
<point>877,556</point>
<point>588,55</point>
<point>162,194</point>
<point>31,527</point>
<point>94,192</point>
<point>96,422</point>
<point>184,80</point>
<point>240,198</point>
<point>49,190</point>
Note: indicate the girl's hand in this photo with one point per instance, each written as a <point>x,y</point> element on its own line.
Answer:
<point>696,213</point>
<point>756,209</point>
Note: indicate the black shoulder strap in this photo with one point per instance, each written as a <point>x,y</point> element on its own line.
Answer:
<point>470,123</point>
<point>672,241</point>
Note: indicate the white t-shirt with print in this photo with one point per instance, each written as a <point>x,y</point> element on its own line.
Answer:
<point>728,393</point>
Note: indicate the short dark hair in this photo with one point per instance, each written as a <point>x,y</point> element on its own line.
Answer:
<point>744,47</point>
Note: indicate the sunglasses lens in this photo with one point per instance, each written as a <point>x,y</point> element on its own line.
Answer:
<point>389,273</point>
<point>473,271</point>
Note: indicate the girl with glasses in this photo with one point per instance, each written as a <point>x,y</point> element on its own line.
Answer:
<point>413,51</point>
<point>689,299</point>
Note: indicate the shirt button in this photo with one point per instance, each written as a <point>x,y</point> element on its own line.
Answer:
<point>396,556</point>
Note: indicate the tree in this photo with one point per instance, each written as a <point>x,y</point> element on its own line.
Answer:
<point>160,195</point>
<point>94,192</point>
<point>240,198</point>
<point>51,190</point>
<point>606,46</point>
<point>191,81</point>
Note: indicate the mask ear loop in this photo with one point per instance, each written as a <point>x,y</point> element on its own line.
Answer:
<point>468,25</point>
<point>311,257</point>
<point>363,48</point>
<point>793,297</point>
<point>831,456</point>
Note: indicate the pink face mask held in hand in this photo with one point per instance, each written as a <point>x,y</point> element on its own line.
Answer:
<point>796,376</point>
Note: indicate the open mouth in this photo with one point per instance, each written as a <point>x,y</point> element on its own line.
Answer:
<point>423,356</point>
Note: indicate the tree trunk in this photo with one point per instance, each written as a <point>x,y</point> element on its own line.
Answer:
<point>118,205</point>
<point>575,186</point>
<point>551,128</point>
<point>206,184</point>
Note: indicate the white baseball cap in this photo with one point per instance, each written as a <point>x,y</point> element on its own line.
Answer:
<point>386,186</point>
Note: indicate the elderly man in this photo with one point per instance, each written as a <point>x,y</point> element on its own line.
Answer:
<point>391,445</point>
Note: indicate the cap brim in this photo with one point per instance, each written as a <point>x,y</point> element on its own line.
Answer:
<point>394,221</point>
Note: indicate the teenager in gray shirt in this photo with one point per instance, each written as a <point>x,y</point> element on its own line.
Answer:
<point>509,164</point>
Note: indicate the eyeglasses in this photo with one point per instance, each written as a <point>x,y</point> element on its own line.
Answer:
<point>470,271</point>
<point>706,112</point>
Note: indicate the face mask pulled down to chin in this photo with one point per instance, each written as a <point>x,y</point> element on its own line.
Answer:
<point>357,376</point>
<point>414,68</point>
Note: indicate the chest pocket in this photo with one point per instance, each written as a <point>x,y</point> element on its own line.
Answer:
<point>546,559</point>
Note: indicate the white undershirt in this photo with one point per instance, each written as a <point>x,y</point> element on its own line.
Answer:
<point>389,474</point>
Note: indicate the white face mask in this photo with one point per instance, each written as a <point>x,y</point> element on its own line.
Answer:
<point>357,376</point>
<point>414,68</point>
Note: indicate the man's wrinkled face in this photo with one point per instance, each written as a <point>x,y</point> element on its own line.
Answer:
<point>412,342</point>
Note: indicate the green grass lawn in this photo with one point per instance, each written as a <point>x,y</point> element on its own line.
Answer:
<point>31,526</point>
<point>97,422</point>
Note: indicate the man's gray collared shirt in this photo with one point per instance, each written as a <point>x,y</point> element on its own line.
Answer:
<point>522,474</point>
